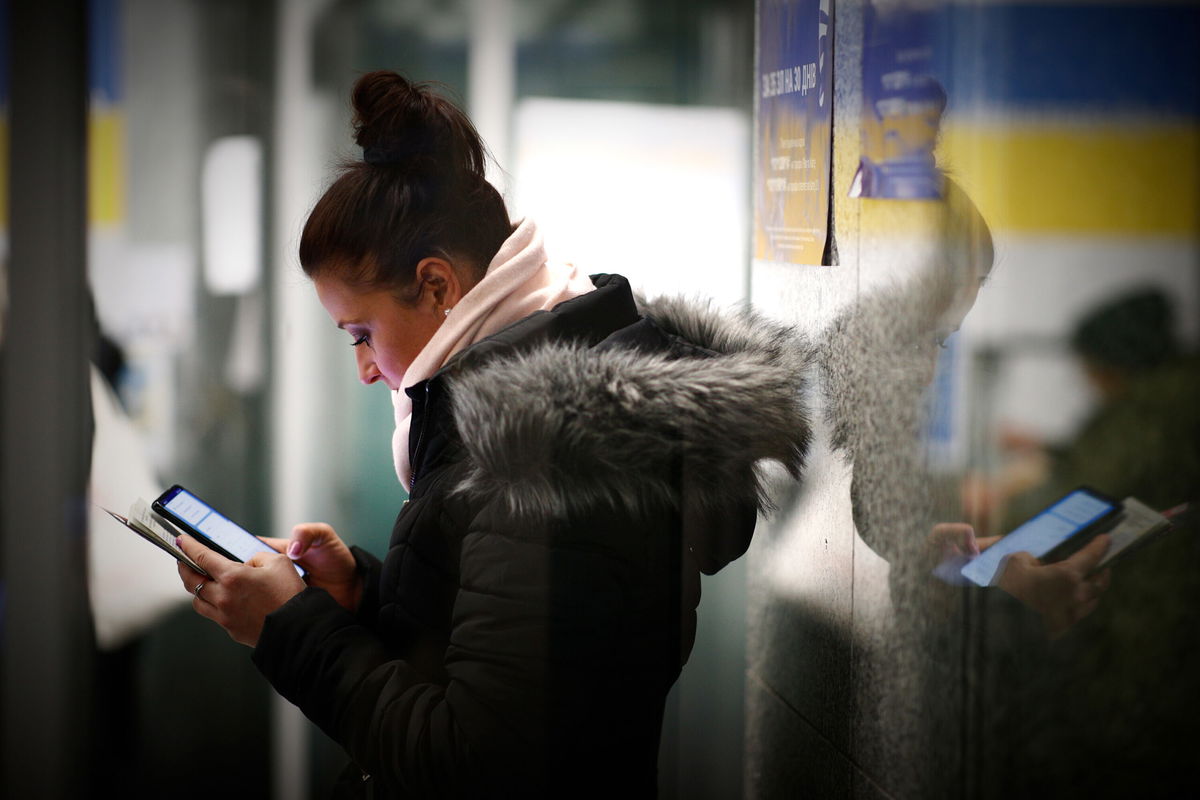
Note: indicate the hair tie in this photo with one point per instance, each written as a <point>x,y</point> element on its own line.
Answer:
<point>392,154</point>
<point>380,155</point>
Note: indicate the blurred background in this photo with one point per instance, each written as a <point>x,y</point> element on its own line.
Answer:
<point>160,156</point>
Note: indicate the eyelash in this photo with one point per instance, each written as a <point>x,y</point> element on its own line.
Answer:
<point>364,339</point>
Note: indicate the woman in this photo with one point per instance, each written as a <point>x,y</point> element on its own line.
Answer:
<point>574,461</point>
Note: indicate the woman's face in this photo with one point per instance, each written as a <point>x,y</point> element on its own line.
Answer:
<point>387,334</point>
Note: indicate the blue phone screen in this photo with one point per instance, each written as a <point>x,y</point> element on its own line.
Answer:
<point>1041,534</point>
<point>229,535</point>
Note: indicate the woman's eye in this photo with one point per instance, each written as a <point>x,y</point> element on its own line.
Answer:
<point>363,339</point>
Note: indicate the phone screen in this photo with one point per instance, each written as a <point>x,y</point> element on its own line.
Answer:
<point>190,512</point>
<point>1042,533</point>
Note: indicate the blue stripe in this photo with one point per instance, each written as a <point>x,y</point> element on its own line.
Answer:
<point>5,54</point>
<point>1140,58</point>
<point>104,50</point>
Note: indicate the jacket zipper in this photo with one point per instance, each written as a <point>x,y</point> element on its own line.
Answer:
<point>420,437</point>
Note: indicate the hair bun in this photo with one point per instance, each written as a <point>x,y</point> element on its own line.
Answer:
<point>402,123</point>
<point>424,192</point>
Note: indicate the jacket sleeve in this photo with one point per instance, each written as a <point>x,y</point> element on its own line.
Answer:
<point>369,569</point>
<point>397,727</point>
<point>547,660</point>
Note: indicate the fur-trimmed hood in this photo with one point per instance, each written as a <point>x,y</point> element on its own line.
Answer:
<point>561,428</point>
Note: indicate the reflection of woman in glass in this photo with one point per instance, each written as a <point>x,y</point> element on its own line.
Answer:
<point>878,360</point>
<point>574,462</point>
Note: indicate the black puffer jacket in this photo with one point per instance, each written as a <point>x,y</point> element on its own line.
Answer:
<point>573,475</point>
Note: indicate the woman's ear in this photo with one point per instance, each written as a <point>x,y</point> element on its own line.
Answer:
<point>440,286</point>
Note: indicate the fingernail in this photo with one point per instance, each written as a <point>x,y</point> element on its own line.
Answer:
<point>177,544</point>
<point>294,550</point>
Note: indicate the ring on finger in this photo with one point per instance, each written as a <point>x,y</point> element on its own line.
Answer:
<point>199,586</point>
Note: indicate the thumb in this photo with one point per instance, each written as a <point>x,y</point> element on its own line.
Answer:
<point>275,542</point>
<point>1015,572</point>
<point>261,559</point>
<point>1089,556</point>
<point>984,542</point>
<point>306,536</point>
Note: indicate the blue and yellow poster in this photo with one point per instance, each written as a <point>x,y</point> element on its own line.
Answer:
<point>106,115</point>
<point>902,103</point>
<point>793,130</point>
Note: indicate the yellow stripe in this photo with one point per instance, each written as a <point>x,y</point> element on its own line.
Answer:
<point>1105,178</point>
<point>106,167</point>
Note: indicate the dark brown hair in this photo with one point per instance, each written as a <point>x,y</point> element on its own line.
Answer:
<point>420,191</point>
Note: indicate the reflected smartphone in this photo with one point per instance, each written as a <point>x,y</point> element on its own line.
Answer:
<point>198,519</point>
<point>1052,534</point>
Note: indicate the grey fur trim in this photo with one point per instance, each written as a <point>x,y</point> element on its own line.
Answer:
<point>732,332</point>
<point>563,428</point>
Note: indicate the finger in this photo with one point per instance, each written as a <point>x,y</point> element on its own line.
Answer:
<point>206,558</point>
<point>276,543</point>
<point>1089,556</point>
<point>306,536</point>
<point>188,575</point>
<point>1087,608</point>
<point>1096,585</point>
<point>984,542</point>
<point>196,584</point>
<point>1022,559</point>
<point>263,559</point>
<point>191,579</point>
<point>204,606</point>
<point>1088,591</point>
<point>959,535</point>
<point>198,590</point>
<point>965,536</point>
<point>1014,574</point>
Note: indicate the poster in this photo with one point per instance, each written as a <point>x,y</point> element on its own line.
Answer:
<point>902,103</point>
<point>793,129</point>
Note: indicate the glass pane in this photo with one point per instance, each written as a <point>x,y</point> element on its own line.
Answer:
<point>181,377</point>
<point>983,353</point>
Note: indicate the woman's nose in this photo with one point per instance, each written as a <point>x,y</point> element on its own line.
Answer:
<point>368,373</point>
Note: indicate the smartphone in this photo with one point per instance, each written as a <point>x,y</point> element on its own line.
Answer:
<point>1051,535</point>
<point>198,519</point>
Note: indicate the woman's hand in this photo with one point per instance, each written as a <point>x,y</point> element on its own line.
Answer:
<point>957,540</point>
<point>236,596</point>
<point>1063,592</point>
<point>950,546</point>
<point>329,562</point>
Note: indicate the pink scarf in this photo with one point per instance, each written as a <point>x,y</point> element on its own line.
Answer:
<point>518,282</point>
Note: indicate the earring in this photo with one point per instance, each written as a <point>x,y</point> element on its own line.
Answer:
<point>447,312</point>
